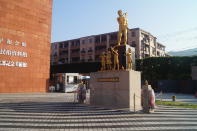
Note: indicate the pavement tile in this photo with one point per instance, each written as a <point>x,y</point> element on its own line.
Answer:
<point>57,112</point>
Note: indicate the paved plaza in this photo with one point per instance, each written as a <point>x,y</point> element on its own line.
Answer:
<point>58,111</point>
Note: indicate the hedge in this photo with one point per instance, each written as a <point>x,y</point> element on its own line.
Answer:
<point>166,68</point>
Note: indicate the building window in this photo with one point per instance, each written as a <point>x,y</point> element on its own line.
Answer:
<point>65,52</point>
<point>147,48</point>
<point>158,53</point>
<point>65,44</point>
<point>100,47</point>
<point>146,55</point>
<point>133,44</point>
<point>83,51</point>
<point>103,38</point>
<point>83,41</point>
<point>113,36</point>
<point>61,61</point>
<point>97,39</point>
<point>154,44</point>
<point>90,49</point>
<point>75,51</point>
<point>133,34</point>
<point>90,58</point>
<point>90,40</point>
<point>72,43</point>
<point>55,54</point>
<point>77,43</point>
<point>142,45</point>
<point>61,45</point>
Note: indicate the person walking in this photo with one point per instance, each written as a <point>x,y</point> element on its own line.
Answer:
<point>148,98</point>
<point>81,93</point>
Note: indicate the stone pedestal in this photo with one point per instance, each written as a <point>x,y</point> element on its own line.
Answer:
<point>116,89</point>
<point>122,49</point>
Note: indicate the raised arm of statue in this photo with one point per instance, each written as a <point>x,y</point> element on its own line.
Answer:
<point>126,19</point>
<point>114,51</point>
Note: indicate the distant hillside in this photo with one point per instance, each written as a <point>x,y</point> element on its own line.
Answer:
<point>189,52</point>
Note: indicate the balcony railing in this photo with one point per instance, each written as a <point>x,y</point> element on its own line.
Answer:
<point>83,51</point>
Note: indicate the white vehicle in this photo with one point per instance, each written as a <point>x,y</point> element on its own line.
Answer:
<point>70,81</point>
<point>71,88</point>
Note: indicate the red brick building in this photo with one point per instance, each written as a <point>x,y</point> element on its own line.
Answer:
<point>25,33</point>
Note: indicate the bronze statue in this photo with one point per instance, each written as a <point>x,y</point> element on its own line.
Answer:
<point>108,60</point>
<point>123,26</point>
<point>122,67</point>
<point>116,59</point>
<point>129,59</point>
<point>103,61</point>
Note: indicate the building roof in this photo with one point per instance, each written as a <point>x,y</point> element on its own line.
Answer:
<point>161,44</point>
<point>104,34</point>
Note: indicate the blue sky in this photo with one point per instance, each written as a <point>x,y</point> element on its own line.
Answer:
<point>173,22</point>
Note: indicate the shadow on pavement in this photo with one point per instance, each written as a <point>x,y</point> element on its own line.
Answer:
<point>69,115</point>
<point>54,107</point>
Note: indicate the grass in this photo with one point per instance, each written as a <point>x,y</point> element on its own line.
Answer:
<point>176,104</point>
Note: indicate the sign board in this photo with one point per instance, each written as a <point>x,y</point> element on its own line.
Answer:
<point>113,79</point>
<point>12,53</point>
